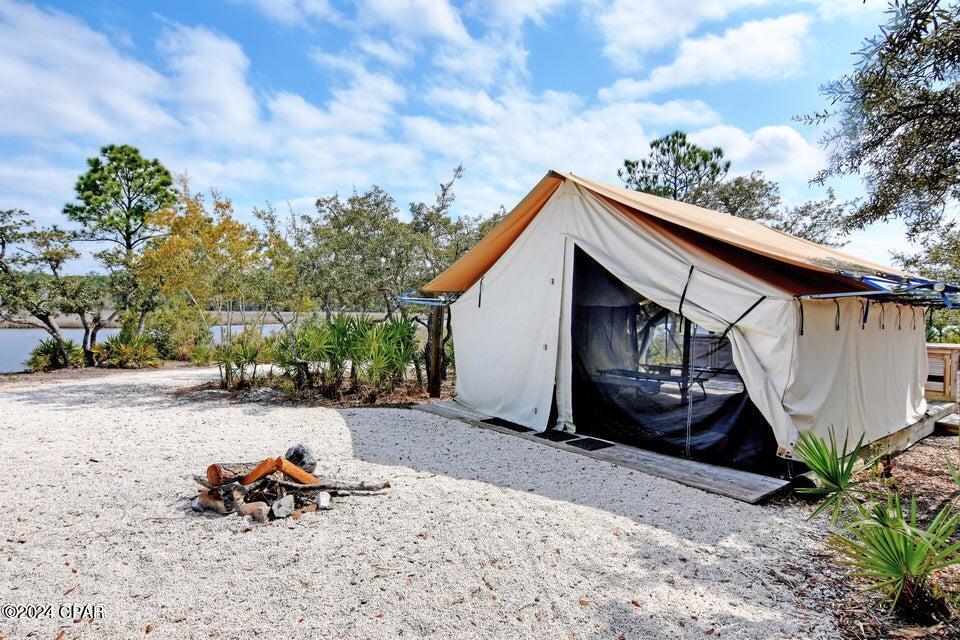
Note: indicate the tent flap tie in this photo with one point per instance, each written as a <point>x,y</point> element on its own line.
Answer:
<point>683,296</point>
<point>744,315</point>
<point>801,315</point>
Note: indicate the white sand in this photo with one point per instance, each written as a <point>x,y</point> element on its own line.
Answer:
<point>482,536</point>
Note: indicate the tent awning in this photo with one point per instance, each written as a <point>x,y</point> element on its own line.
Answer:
<point>747,235</point>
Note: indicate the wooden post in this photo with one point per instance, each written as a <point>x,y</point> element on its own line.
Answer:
<point>435,355</point>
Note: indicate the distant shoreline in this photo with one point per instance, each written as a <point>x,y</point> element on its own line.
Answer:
<point>252,317</point>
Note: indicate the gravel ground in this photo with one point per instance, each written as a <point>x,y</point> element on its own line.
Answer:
<point>483,535</point>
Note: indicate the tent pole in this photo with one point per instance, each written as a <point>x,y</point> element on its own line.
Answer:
<point>685,359</point>
<point>435,341</point>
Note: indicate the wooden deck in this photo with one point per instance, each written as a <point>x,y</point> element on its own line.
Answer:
<point>733,483</point>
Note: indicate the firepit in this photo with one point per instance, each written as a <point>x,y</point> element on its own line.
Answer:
<point>273,488</point>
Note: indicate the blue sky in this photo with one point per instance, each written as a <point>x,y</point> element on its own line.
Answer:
<point>288,100</point>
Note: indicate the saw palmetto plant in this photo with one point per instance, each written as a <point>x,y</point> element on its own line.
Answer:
<point>284,352</point>
<point>55,354</point>
<point>316,354</point>
<point>245,355</point>
<point>888,548</point>
<point>126,351</point>
<point>400,344</point>
<point>342,332</point>
<point>834,468</point>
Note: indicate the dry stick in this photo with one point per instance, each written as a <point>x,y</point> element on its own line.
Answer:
<point>336,486</point>
<point>203,482</point>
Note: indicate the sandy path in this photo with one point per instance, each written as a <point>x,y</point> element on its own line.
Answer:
<point>482,536</point>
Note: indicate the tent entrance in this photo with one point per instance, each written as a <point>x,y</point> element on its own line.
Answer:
<point>644,376</point>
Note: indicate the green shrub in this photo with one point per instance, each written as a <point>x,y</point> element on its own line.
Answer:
<point>50,354</point>
<point>284,353</point>
<point>834,470</point>
<point>890,550</point>
<point>202,355</point>
<point>401,342</point>
<point>317,353</point>
<point>126,352</point>
<point>176,330</point>
<point>239,359</point>
<point>343,331</point>
<point>384,351</point>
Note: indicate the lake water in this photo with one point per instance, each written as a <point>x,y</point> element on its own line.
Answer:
<point>15,344</point>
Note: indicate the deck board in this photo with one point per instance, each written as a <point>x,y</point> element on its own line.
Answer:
<point>733,483</point>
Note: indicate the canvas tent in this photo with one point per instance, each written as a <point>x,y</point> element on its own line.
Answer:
<point>591,300</point>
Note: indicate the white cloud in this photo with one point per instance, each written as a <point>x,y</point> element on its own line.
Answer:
<point>779,151</point>
<point>209,82</point>
<point>26,182</point>
<point>477,104</point>
<point>513,13</point>
<point>761,49</point>
<point>293,12</point>
<point>509,142</point>
<point>384,52</point>
<point>415,18</point>
<point>832,9</point>
<point>59,78</point>
<point>364,105</point>
<point>497,59</point>
<point>631,28</point>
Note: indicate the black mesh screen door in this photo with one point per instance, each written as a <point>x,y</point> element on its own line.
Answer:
<point>644,376</point>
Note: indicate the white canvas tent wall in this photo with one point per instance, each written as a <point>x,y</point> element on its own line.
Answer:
<point>511,325</point>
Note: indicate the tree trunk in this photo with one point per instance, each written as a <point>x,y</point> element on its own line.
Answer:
<point>86,345</point>
<point>141,323</point>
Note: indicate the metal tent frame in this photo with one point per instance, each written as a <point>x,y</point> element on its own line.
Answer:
<point>888,287</point>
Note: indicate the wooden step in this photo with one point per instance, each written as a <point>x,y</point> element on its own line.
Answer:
<point>733,483</point>
<point>948,425</point>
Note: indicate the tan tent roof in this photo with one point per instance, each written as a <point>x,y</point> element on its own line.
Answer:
<point>747,235</point>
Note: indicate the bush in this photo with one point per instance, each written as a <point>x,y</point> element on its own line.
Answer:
<point>834,470</point>
<point>177,330</point>
<point>238,360</point>
<point>384,351</point>
<point>889,549</point>
<point>885,546</point>
<point>50,354</point>
<point>126,352</point>
<point>202,355</point>
<point>317,353</point>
